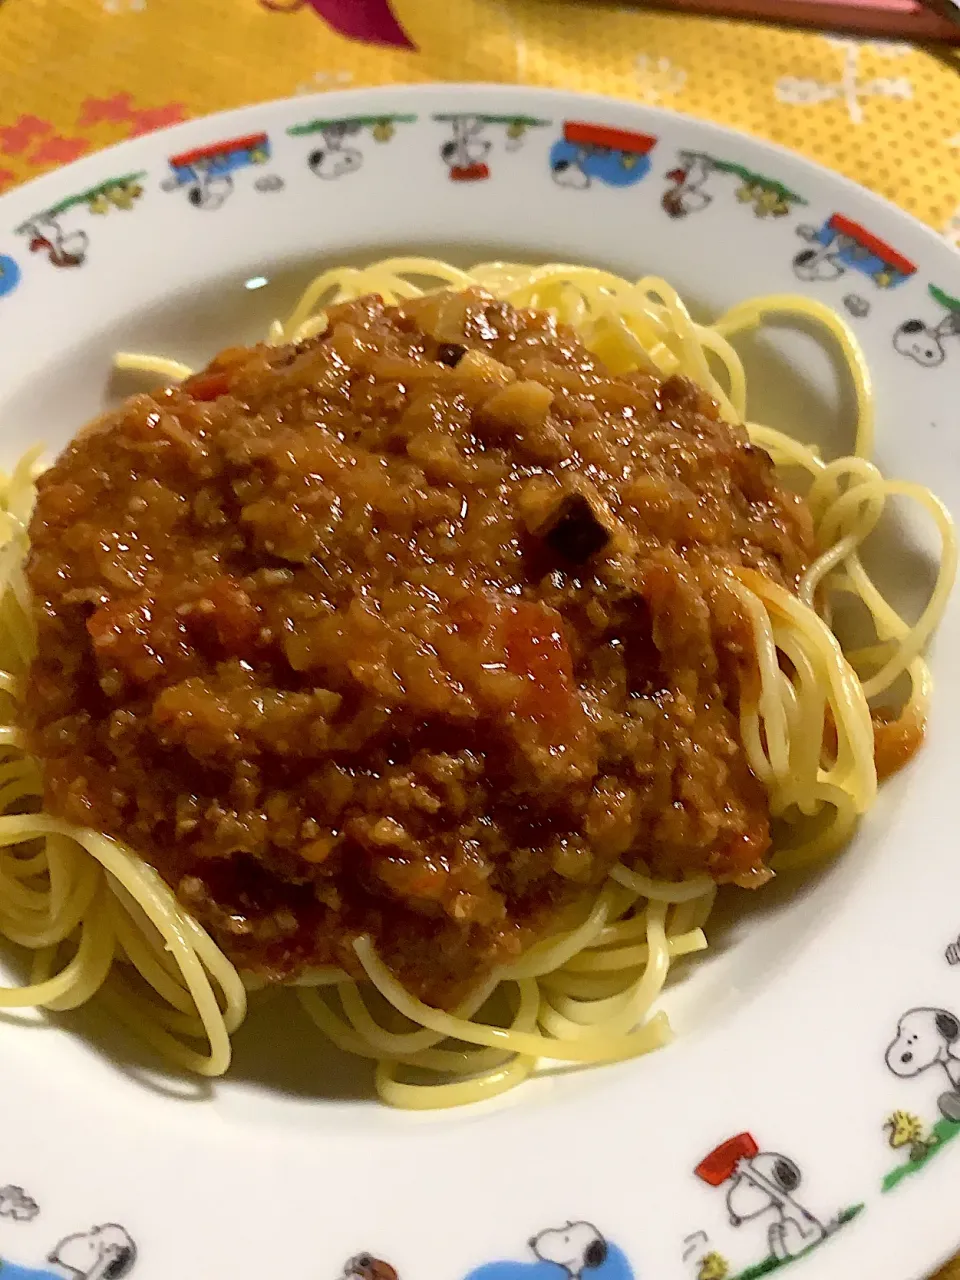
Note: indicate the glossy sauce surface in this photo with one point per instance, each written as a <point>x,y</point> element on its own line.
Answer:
<point>412,629</point>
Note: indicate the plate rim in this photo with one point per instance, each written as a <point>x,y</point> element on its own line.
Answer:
<point>439,88</point>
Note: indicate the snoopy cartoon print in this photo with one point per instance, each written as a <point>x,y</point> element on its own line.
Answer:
<point>589,152</point>
<point>336,156</point>
<point>465,152</point>
<point>576,1247</point>
<point>926,342</point>
<point>686,195</point>
<point>62,248</point>
<point>64,244</point>
<point>839,245</point>
<point>763,1185</point>
<point>206,173</point>
<point>105,1252</point>
<point>928,1040</point>
<point>576,1250</point>
<point>761,1194</point>
<point>335,152</point>
<point>767,197</point>
<point>467,149</point>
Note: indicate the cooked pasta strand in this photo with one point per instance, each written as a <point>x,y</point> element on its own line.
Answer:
<point>100,923</point>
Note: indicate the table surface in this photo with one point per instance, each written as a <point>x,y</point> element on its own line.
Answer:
<point>81,74</point>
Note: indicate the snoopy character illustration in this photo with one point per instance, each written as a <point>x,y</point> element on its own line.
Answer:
<point>687,196</point>
<point>576,1247</point>
<point>926,343</point>
<point>928,1038</point>
<point>336,157</point>
<point>105,1252</point>
<point>62,248</point>
<point>206,173</point>
<point>102,1253</point>
<point>465,153</point>
<point>763,1182</point>
<point>841,245</point>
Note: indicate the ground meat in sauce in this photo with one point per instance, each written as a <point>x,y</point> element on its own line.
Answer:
<point>363,636</point>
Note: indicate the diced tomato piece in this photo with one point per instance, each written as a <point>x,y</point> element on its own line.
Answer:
<point>146,636</point>
<point>537,651</point>
<point>235,618</point>
<point>223,621</point>
<point>207,386</point>
<point>527,639</point>
<point>129,636</point>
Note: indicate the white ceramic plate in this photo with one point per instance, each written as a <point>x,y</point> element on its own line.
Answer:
<point>192,238</point>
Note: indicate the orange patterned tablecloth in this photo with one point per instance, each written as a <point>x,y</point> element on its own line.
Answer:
<point>76,75</point>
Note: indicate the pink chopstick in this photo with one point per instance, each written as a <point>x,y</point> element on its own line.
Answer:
<point>898,19</point>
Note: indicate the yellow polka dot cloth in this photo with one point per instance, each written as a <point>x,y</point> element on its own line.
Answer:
<point>76,75</point>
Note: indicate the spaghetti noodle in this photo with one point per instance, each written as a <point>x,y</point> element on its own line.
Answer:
<point>98,920</point>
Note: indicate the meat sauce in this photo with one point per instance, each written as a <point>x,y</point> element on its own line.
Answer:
<point>412,629</point>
